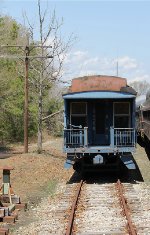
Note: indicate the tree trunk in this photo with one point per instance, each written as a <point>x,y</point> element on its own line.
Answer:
<point>40,110</point>
<point>40,121</point>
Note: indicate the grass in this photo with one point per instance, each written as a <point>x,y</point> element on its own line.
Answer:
<point>51,187</point>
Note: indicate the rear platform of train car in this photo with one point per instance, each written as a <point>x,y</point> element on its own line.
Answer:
<point>99,123</point>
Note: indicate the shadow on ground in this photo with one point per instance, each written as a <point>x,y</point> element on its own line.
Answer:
<point>147,150</point>
<point>146,146</point>
<point>125,175</point>
<point>75,178</point>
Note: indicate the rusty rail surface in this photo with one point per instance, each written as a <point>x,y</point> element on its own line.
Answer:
<point>73,208</point>
<point>131,228</point>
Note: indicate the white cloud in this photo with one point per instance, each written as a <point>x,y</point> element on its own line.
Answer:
<point>50,41</point>
<point>80,63</point>
<point>76,58</point>
<point>127,63</point>
<point>144,77</point>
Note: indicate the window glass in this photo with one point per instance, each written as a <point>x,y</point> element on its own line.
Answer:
<point>121,122</point>
<point>121,108</point>
<point>78,108</point>
<point>121,115</point>
<point>78,114</point>
<point>79,121</point>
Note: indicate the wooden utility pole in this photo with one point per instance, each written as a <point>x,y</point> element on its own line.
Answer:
<point>26,57</point>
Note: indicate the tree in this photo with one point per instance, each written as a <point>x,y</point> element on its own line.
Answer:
<point>43,74</point>
<point>48,71</point>
<point>12,84</point>
<point>141,87</point>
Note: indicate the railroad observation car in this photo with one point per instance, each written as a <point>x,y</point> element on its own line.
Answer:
<point>143,118</point>
<point>99,123</point>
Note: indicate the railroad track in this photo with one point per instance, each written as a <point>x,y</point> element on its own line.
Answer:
<point>113,209</point>
<point>95,208</point>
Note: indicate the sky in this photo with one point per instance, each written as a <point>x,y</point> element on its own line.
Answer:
<point>107,33</point>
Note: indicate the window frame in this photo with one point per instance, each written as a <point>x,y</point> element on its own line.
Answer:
<point>77,115</point>
<point>122,115</point>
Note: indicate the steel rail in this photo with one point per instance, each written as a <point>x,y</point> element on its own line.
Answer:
<point>73,208</point>
<point>131,229</point>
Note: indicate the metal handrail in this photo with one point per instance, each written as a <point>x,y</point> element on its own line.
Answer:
<point>75,137</point>
<point>124,137</point>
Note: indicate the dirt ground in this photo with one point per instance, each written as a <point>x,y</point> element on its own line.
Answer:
<point>143,163</point>
<point>36,176</point>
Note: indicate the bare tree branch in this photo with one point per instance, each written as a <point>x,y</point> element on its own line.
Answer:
<point>52,115</point>
<point>48,71</point>
<point>31,28</point>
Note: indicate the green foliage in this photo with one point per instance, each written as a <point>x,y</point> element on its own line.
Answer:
<point>12,111</point>
<point>1,21</point>
<point>32,130</point>
<point>12,90</point>
<point>14,31</point>
<point>8,65</point>
<point>52,106</point>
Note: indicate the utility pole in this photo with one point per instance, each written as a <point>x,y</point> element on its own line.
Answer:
<point>117,68</point>
<point>26,58</point>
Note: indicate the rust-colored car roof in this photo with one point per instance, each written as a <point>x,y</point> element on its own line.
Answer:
<point>97,83</point>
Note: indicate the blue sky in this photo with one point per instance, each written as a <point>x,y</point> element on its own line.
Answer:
<point>107,32</point>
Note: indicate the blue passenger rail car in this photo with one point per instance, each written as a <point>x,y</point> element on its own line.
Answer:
<point>99,123</point>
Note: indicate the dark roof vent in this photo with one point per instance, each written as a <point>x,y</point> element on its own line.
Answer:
<point>128,89</point>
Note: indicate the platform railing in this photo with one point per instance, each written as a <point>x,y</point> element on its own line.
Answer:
<point>123,137</point>
<point>119,137</point>
<point>75,137</point>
